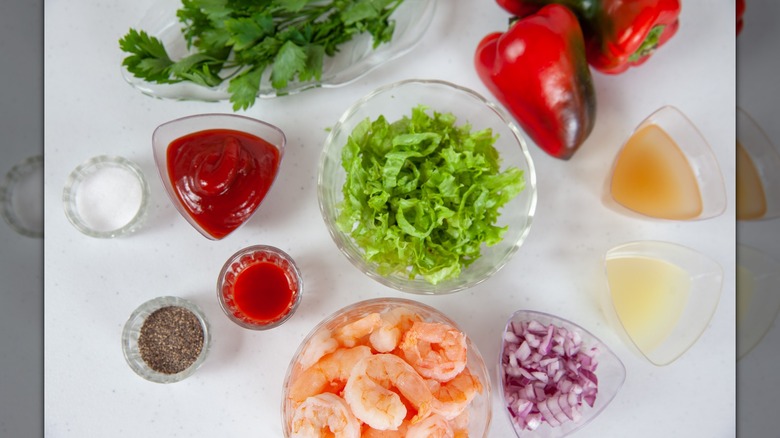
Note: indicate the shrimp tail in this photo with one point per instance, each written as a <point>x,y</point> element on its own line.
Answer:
<point>423,412</point>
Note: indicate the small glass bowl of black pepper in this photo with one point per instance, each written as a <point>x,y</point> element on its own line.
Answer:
<point>166,339</point>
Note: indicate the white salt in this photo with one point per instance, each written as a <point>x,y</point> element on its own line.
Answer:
<point>108,198</point>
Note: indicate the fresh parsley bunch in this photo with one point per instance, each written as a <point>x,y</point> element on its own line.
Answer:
<point>239,40</point>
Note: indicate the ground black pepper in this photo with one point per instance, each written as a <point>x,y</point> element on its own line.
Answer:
<point>171,339</point>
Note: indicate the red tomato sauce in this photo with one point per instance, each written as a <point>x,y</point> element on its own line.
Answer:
<point>262,292</point>
<point>263,289</point>
<point>221,176</point>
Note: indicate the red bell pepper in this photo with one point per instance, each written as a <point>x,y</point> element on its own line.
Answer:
<point>618,33</point>
<point>740,14</point>
<point>538,71</point>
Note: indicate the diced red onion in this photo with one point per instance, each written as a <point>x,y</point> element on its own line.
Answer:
<point>523,351</point>
<point>536,327</point>
<point>533,420</point>
<point>524,407</point>
<point>547,415</point>
<point>548,375</point>
<point>510,337</point>
<point>532,339</point>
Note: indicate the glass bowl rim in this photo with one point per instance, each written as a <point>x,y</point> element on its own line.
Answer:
<point>216,115</point>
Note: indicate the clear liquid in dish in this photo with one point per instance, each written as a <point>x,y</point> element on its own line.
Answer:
<point>652,176</point>
<point>649,296</point>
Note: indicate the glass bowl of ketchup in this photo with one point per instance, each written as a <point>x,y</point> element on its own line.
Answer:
<point>259,287</point>
<point>217,168</point>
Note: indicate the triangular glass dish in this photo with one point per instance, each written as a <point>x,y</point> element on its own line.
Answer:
<point>222,170</point>
<point>514,388</point>
<point>660,296</point>
<point>666,170</point>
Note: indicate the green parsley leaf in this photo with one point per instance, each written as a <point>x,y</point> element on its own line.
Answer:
<point>361,10</point>
<point>290,60</point>
<point>244,32</point>
<point>244,88</point>
<point>149,58</point>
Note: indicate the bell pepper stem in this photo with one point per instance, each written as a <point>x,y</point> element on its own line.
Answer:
<point>649,44</point>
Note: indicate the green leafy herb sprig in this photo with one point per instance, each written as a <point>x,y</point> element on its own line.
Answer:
<point>238,40</point>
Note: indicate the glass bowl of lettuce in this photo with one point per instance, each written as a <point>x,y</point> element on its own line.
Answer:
<point>426,186</point>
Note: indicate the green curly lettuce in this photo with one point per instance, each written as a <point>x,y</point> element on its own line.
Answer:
<point>422,195</point>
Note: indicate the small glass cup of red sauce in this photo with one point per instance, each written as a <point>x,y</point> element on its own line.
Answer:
<point>259,287</point>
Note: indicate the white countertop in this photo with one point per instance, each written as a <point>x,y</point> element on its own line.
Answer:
<point>92,285</point>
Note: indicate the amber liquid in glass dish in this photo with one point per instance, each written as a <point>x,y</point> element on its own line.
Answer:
<point>653,177</point>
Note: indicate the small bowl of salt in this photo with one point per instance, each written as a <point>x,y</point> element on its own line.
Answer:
<point>106,197</point>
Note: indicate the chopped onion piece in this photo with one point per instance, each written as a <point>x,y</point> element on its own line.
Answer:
<point>548,374</point>
<point>532,421</point>
<point>523,352</point>
<point>532,340</point>
<point>536,327</point>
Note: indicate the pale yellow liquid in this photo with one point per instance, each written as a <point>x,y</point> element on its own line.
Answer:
<point>653,177</point>
<point>751,200</point>
<point>649,296</point>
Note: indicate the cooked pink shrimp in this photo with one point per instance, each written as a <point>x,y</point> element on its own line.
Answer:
<point>436,350</point>
<point>435,426</point>
<point>329,374</point>
<point>395,322</point>
<point>368,395</point>
<point>433,385</point>
<point>460,424</point>
<point>453,397</point>
<point>324,415</point>
<point>352,333</point>
<point>319,345</point>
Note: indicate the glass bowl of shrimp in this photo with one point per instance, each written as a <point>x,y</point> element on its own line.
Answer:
<point>386,367</point>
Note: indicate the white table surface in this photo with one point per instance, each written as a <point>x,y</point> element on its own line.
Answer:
<point>92,285</point>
